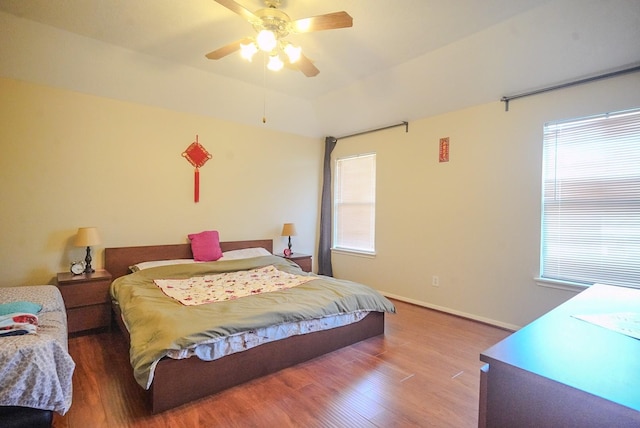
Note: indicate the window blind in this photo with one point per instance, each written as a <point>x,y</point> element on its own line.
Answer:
<point>355,203</point>
<point>591,200</point>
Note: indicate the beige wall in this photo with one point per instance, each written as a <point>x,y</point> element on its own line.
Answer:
<point>68,160</point>
<point>474,221</point>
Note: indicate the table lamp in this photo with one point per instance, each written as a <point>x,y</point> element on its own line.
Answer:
<point>87,237</point>
<point>288,229</point>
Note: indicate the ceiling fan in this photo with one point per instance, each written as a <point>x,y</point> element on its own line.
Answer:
<point>272,26</point>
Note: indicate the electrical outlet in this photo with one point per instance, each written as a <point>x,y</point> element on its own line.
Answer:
<point>435,281</point>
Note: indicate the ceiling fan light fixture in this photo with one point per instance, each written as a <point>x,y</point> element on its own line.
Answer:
<point>248,51</point>
<point>266,40</point>
<point>275,63</point>
<point>293,52</point>
<point>272,26</point>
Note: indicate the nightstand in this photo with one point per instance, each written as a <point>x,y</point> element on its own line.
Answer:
<point>302,260</point>
<point>87,300</point>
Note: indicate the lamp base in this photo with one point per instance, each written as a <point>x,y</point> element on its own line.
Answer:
<point>87,261</point>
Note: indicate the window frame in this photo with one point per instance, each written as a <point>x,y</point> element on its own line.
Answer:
<point>337,244</point>
<point>584,194</point>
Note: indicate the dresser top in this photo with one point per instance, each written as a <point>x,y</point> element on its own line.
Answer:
<point>577,353</point>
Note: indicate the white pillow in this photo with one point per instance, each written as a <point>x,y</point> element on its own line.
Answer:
<point>245,253</point>
<point>156,263</point>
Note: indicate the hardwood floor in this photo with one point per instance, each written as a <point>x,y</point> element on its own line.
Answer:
<point>424,372</point>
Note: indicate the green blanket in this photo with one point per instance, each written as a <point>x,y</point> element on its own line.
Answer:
<point>158,323</point>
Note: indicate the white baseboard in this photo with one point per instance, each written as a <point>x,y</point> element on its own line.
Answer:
<point>507,326</point>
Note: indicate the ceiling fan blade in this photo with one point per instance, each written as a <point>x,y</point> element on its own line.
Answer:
<point>228,49</point>
<point>305,65</point>
<point>239,9</point>
<point>329,21</point>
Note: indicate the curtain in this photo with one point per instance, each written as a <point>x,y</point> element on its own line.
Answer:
<point>324,247</point>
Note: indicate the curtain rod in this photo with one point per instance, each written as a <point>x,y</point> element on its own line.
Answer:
<point>405,124</point>
<point>566,85</point>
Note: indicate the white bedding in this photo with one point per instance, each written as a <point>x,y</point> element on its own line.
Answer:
<point>244,253</point>
<point>36,369</point>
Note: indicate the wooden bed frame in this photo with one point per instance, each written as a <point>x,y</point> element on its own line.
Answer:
<point>169,388</point>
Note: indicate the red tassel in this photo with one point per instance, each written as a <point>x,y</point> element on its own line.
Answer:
<point>196,185</point>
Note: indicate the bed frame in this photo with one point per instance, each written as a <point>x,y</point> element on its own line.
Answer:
<point>169,388</point>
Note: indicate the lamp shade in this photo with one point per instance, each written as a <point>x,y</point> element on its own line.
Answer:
<point>87,237</point>
<point>289,229</point>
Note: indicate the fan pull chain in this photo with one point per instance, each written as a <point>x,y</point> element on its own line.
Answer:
<point>264,87</point>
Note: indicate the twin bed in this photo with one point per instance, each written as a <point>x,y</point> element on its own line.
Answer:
<point>35,369</point>
<point>182,350</point>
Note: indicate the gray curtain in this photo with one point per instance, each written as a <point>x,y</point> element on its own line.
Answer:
<point>324,248</point>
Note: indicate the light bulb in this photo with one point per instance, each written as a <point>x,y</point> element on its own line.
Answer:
<point>266,40</point>
<point>248,51</point>
<point>275,63</point>
<point>292,52</point>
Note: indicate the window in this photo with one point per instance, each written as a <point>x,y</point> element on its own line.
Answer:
<point>354,204</point>
<point>591,200</point>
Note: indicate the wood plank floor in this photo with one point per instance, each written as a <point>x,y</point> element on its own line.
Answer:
<point>424,372</point>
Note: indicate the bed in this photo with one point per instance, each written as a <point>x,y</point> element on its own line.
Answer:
<point>179,381</point>
<point>36,369</point>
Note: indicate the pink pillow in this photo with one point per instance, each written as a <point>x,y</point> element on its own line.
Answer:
<point>205,246</point>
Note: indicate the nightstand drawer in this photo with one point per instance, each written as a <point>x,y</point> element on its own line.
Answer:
<point>88,317</point>
<point>92,293</point>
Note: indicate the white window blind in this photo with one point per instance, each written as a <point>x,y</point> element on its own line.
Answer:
<point>355,203</point>
<point>591,200</point>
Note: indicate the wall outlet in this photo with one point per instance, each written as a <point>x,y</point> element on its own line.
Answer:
<point>435,281</point>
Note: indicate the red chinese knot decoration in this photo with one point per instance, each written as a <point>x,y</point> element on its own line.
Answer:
<point>197,156</point>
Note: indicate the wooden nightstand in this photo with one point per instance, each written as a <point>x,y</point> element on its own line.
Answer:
<point>302,260</point>
<point>87,300</point>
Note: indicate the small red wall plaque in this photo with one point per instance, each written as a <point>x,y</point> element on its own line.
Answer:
<point>444,149</point>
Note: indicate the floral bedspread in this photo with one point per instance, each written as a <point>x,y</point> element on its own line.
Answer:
<point>229,285</point>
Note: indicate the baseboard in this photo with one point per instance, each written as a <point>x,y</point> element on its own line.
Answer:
<point>495,323</point>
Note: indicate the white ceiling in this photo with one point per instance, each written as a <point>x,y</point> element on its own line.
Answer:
<point>401,60</point>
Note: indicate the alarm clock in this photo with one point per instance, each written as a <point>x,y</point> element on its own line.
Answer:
<point>287,252</point>
<point>77,268</point>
